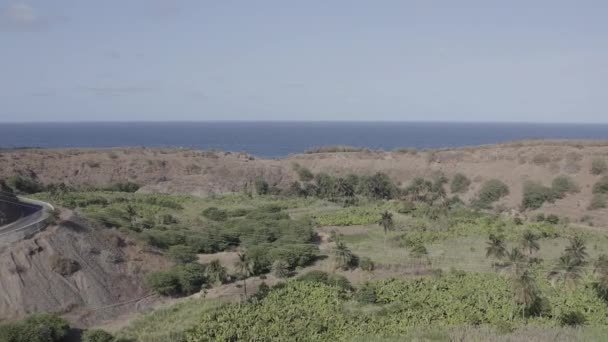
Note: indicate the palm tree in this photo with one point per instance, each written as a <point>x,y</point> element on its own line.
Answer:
<point>386,221</point>
<point>529,242</point>
<point>568,270</point>
<point>344,188</point>
<point>496,247</point>
<point>577,249</point>
<point>524,291</point>
<point>343,255</point>
<point>215,271</point>
<point>516,261</point>
<point>244,269</point>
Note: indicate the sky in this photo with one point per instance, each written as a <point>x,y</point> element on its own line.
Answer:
<point>170,60</point>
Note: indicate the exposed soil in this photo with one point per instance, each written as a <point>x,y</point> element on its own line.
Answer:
<point>74,268</point>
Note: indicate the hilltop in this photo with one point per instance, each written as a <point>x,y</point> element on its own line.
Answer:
<point>212,172</point>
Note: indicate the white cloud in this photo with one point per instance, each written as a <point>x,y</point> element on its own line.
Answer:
<point>21,17</point>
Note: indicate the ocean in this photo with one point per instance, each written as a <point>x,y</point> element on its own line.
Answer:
<point>278,139</point>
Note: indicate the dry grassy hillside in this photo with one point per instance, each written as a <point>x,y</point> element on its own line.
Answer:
<point>205,172</point>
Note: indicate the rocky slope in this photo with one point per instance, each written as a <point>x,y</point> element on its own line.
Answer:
<point>73,267</point>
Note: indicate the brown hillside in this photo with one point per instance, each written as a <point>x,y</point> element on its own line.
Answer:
<point>87,273</point>
<point>205,172</point>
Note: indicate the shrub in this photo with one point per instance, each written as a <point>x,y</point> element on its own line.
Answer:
<point>64,266</point>
<point>24,184</point>
<point>190,277</point>
<point>182,254</point>
<point>572,318</point>
<point>163,282</point>
<point>406,207</point>
<point>261,186</point>
<point>599,166</point>
<point>378,186</point>
<point>490,192</point>
<point>123,187</point>
<point>327,279</point>
<point>460,183</point>
<point>215,214</point>
<point>563,185</point>
<point>97,335</point>
<point>601,187</point>
<point>535,194</point>
<point>598,201</point>
<point>280,268</point>
<point>366,295</point>
<point>35,328</point>
<point>366,264</point>
<point>540,218</point>
<point>552,218</point>
<point>305,174</point>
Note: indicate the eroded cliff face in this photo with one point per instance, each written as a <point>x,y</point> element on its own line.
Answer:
<point>90,273</point>
<point>10,209</point>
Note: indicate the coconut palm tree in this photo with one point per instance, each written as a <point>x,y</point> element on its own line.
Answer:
<point>343,255</point>
<point>577,249</point>
<point>524,291</point>
<point>568,270</point>
<point>496,247</point>
<point>516,261</point>
<point>386,221</point>
<point>529,242</point>
<point>215,272</point>
<point>244,269</point>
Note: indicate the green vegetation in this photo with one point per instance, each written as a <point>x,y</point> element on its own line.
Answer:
<point>598,201</point>
<point>460,183</point>
<point>35,328</point>
<point>490,192</point>
<point>442,271</point>
<point>536,194</point>
<point>393,307</point>
<point>601,187</point>
<point>599,166</point>
<point>97,336</point>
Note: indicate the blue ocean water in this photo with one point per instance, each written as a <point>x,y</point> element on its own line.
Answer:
<point>277,139</point>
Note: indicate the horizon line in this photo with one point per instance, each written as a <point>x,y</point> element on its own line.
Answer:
<point>305,121</point>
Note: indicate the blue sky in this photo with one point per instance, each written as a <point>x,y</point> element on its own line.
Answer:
<point>540,61</point>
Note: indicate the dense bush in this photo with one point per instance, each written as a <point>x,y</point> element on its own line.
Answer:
<point>598,201</point>
<point>163,282</point>
<point>563,185</point>
<point>97,335</point>
<point>460,183</point>
<point>325,278</point>
<point>535,194</point>
<point>349,216</point>
<point>304,174</point>
<point>182,254</point>
<point>24,184</point>
<point>601,187</point>
<point>261,186</point>
<point>599,166</point>
<point>366,264</point>
<point>35,328</point>
<point>123,187</point>
<point>378,186</point>
<point>490,192</point>
<point>215,214</point>
<point>181,280</point>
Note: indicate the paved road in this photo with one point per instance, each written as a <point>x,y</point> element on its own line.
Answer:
<point>41,213</point>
